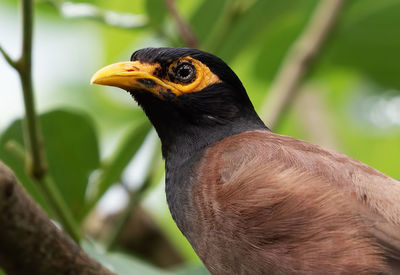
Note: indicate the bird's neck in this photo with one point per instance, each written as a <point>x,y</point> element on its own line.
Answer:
<point>193,138</point>
<point>185,133</point>
<point>187,130</point>
<point>180,141</point>
<point>183,151</point>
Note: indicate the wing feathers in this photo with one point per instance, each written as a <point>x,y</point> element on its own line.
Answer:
<point>292,197</point>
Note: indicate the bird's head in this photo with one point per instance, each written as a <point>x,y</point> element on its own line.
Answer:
<point>184,92</point>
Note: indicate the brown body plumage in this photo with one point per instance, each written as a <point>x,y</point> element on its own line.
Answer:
<point>250,201</point>
<point>285,206</point>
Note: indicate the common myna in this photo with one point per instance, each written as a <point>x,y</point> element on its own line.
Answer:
<point>248,200</point>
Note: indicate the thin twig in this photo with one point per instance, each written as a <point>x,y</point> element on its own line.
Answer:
<point>183,28</point>
<point>299,60</point>
<point>8,58</point>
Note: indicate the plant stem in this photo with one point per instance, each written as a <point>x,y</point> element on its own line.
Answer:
<point>58,204</point>
<point>299,60</point>
<point>37,165</point>
<point>35,160</point>
<point>9,60</point>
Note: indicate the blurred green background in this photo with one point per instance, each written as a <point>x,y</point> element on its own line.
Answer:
<point>102,153</point>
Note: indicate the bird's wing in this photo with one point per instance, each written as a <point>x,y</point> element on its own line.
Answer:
<point>375,195</point>
<point>372,195</point>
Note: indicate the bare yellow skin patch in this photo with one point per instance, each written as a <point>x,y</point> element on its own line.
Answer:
<point>137,75</point>
<point>204,77</point>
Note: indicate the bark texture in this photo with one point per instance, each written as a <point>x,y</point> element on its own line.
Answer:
<point>30,243</point>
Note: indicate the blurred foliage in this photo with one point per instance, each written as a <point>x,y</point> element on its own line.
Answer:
<point>66,134</point>
<point>90,146</point>
<point>123,264</point>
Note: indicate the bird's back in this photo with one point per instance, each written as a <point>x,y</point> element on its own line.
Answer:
<point>270,204</point>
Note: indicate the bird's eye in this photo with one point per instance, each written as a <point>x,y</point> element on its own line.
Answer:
<point>185,72</point>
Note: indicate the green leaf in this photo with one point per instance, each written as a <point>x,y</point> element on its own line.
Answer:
<point>260,19</point>
<point>120,263</point>
<point>192,270</point>
<point>123,264</point>
<point>279,36</point>
<point>205,17</point>
<point>14,134</point>
<point>113,167</point>
<point>156,11</point>
<point>72,152</point>
<point>368,40</point>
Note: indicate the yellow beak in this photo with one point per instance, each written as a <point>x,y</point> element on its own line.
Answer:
<point>132,75</point>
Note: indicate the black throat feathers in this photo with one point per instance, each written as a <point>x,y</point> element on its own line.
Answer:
<point>190,123</point>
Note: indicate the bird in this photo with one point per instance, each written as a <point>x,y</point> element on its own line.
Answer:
<point>248,200</point>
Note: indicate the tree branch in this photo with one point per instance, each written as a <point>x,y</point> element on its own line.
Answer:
<point>299,60</point>
<point>51,194</point>
<point>183,28</point>
<point>30,243</point>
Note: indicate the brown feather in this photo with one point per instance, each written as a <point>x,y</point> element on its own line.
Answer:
<point>271,204</point>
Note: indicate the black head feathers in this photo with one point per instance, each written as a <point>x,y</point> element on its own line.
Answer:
<point>166,55</point>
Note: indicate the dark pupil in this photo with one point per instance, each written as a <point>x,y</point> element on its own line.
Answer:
<point>185,72</point>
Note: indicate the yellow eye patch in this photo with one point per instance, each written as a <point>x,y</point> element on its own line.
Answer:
<point>204,77</point>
